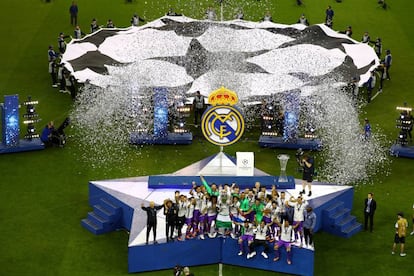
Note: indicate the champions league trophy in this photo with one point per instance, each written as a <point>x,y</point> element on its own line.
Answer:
<point>283,159</point>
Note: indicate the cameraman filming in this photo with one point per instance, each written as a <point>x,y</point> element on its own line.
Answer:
<point>179,270</point>
<point>307,163</point>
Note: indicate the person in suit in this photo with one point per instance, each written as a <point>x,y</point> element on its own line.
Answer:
<point>370,205</point>
<point>73,10</point>
<point>151,211</point>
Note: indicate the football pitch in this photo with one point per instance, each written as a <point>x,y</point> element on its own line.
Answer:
<point>44,194</point>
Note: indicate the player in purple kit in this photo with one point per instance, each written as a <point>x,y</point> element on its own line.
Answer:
<point>247,236</point>
<point>189,218</point>
<point>198,196</point>
<point>267,211</point>
<point>235,216</point>
<point>211,216</point>
<point>246,206</point>
<point>259,240</point>
<point>275,218</point>
<point>203,215</point>
<point>299,206</point>
<point>285,241</point>
<point>182,210</point>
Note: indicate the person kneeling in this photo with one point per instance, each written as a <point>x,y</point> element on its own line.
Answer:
<point>260,240</point>
<point>47,134</point>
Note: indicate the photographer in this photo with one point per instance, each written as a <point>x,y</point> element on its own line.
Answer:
<point>307,164</point>
<point>299,156</point>
<point>179,270</point>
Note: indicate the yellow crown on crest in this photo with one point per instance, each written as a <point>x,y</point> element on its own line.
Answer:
<point>223,96</point>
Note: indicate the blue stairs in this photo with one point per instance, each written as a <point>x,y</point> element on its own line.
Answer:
<point>104,218</point>
<point>338,221</point>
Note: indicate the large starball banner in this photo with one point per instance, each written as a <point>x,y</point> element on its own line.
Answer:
<point>10,120</point>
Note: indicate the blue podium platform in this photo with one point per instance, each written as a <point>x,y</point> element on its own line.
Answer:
<point>402,151</point>
<point>302,259</point>
<point>170,139</point>
<point>184,182</point>
<point>211,251</point>
<point>167,255</point>
<point>117,205</point>
<point>300,143</point>
<point>24,145</point>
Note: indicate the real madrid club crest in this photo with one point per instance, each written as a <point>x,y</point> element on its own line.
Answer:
<point>222,124</point>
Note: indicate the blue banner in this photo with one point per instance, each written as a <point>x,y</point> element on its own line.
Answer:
<point>10,120</point>
<point>291,103</point>
<point>160,112</point>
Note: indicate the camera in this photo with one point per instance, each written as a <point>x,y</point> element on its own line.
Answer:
<point>299,153</point>
<point>177,270</point>
<point>299,156</point>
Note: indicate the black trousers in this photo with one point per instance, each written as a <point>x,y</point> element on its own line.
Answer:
<point>368,217</point>
<point>152,226</point>
<point>257,243</point>
<point>73,19</point>
<point>198,113</point>
<point>308,236</point>
<point>169,230</point>
<point>54,78</point>
<point>179,224</point>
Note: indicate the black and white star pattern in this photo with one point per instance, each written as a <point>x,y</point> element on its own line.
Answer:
<point>247,57</point>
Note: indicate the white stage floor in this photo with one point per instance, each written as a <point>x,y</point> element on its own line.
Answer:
<point>135,191</point>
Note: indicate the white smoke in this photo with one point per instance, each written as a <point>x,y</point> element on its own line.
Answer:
<point>347,156</point>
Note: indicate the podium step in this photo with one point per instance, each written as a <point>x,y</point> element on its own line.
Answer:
<point>338,221</point>
<point>104,218</point>
<point>91,226</point>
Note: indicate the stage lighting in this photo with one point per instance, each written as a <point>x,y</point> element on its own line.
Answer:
<point>269,128</point>
<point>269,133</point>
<point>310,131</point>
<point>183,109</point>
<point>404,108</point>
<point>402,138</point>
<point>32,118</point>
<point>179,126</point>
<point>30,108</point>
<point>141,128</point>
<point>267,118</point>
<point>404,123</point>
<point>31,132</point>
<point>310,136</point>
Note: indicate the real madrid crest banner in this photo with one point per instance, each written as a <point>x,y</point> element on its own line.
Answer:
<point>222,124</point>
